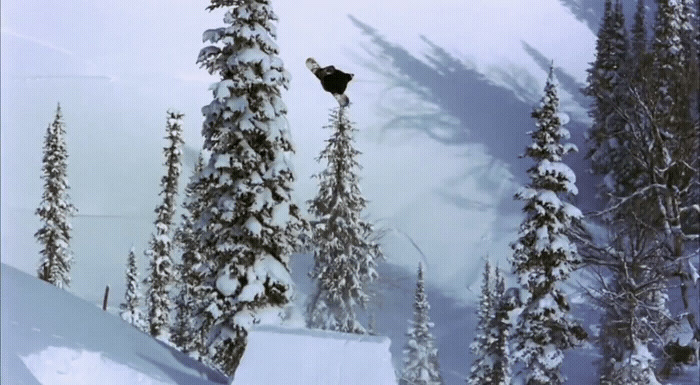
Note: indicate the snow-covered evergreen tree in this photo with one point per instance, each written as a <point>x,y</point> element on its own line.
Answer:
<point>482,368</point>
<point>500,330</point>
<point>490,346</point>
<point>690,35</point>
<point>672,143</point>
<point>544,256</point>
<point>633,298</point>
<point>160,254</point>
<point>344,255</point>
<point>55,209</point>
<point>608,85</point>
<point>640,61</point>
<point>249,221</point>
<point>599,77</point>
<point>651,222</point>
<point>131,307</point>
<point>672,40</point>
<point>696,63</point>
<point>639,32</point>
<point>185,333</point>
<point>421,365</point>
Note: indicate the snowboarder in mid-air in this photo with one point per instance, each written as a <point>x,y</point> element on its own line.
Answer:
<point>333,80</point>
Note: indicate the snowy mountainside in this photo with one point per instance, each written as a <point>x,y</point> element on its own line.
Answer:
<point>50,336</point>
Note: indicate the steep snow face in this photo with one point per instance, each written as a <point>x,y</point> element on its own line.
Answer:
<point>51,337</point>
<point>276,355</point>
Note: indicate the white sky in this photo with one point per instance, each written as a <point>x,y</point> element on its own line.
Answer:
<point>117,68</point>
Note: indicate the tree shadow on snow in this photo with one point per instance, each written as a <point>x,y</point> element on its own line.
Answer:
<point>452,103</point>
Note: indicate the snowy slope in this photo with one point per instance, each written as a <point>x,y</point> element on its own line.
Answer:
<point>276,355</point>
<point>50,336</point>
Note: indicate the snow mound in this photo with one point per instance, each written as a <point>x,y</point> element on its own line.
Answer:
<point>50,336</point>
<point>278,355</point>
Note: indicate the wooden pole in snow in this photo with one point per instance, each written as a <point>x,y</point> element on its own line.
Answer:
<point>104,302</point>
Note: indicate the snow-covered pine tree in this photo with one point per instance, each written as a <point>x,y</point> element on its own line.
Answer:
<point>421,366</point>
<point>249,220</point>
<point>697,61</point>
<point>500,331</point>
<point>662,166</point>
<point>55,209</point>
<point>185,333</point>
<point>160,254</point>
<point>482,368</point>
<point>344,254</point>
<point>639,32</point>
<point>640,60</point>
<point>672,144</point>
<point>608,85</point>
<point>543,255</point>
<point>131,307</point>
<point>690,34</point>
<point>490,346</point>
<point>599,83</point>
<point>672,40</point>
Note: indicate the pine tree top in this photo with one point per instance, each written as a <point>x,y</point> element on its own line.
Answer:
<point>421,299</point>
<point>639,31</point>
<point>550,173</point>
<point>486,301</point>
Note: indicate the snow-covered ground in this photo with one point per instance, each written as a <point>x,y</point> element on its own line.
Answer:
<point>49,337</point>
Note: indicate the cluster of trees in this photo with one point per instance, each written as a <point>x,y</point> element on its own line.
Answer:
<point>646,114</point>
<point>644,144</point>
<point>240,224</point>
<point>543,258</point>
